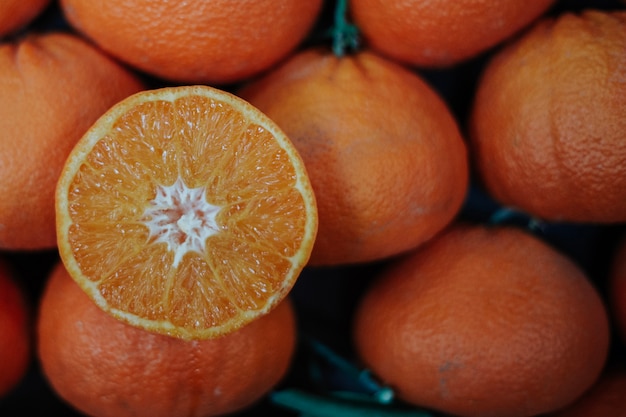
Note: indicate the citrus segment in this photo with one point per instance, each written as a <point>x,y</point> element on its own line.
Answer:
<point>186,211</point>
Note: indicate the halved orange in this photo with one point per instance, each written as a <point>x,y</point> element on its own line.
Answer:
<point>185,211</point>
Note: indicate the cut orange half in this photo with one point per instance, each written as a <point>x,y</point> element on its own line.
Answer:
<point>185,211</point>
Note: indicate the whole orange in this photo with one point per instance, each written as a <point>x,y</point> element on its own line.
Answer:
<point>489,322</point>
<point>202,41</point>
<point>440,33</point>
<point>15,342</point>
<point>52,88</point>
<point>605,398</point>
<point>104,367</point>
<point>15,14</point>
<point>617,287</point>
<point>548,126</point>
<point>385,157</point>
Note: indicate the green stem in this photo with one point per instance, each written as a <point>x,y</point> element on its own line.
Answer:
<point>345,35</point>
<point>312,405</point>
<point>380,393</point>
<point>507,214</point>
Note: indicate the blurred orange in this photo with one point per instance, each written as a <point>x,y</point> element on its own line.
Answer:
<point>16,14</point>
<point>15,340</point>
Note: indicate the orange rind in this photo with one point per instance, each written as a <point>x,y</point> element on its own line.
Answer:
<point>185,211</point>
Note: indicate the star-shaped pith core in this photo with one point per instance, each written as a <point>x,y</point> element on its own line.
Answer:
<point>182,218</point>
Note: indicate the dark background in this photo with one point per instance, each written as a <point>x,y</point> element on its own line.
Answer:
<point>325,297</point>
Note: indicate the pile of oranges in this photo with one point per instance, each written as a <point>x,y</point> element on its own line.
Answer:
<point>435,191</point>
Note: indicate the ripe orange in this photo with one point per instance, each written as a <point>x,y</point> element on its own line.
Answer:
<point>383,152</point>
<point>15,336</point>
<point>186,211</point>
<point>52,87</point>
<point>202,41</point>
<point>484,322</point>
<point>106,368</point>
<point>15,14</point>
<point>441,32</point>
<point>548,125</point>
<point>605,398</point>
<point>617,287</point>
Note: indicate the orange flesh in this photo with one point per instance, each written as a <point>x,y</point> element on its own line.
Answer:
<point>188,216</point>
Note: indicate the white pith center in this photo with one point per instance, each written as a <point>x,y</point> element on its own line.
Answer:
<point>182,218</point>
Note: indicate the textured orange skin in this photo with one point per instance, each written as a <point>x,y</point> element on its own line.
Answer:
<point>15,337</point>
<point>106,368</point>
<point>52,88</point>
<point>384,155</point>
<point>605,398</point>
<point>548,126</point>
<point>484,322</point>
<point>15,14</point>
<point>202,41</point>
<point>440,33</point>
